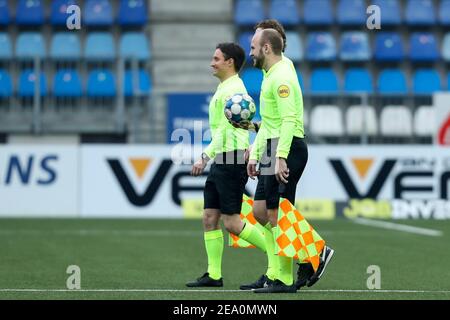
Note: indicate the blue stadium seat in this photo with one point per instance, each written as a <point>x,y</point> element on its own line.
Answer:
<point>426,81</point>
<point>67,83</point>
<point>300,80</point>
<point>388,47</point>
<point>324,81</point>
<point>420,12</point>
<point>321,46</point>
<point>5,84</point>
<point>351,12</point>
<point>318,12</point>
<point>30,12</point>
<point>5,46</point>
<point>294,49</point>
<point>98,13</point>
<point>134,45</point>
<point>132,13</point>
<point>445,47</point>
<point>143,85</point>
<point>101,83</point>
<point>59,13</point>
<point>30,45</point>
<point>358,80</point>
<point>100,46</point>
<point>391,14</point>
<point>65,46</point>
<point>444,12</point>
<point>355,46</point>
<point>245,40</point>
<point>392,81</point>
<point>252,79</point>
<point>248,12</point>
<point>423,47</point>
<point>5,15</point>
<point>27,83</point>
<point>285,11</point>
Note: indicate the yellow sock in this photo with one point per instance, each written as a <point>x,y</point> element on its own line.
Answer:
<point>272,261</point>
<point>214,251</point>
<point>285,266</point>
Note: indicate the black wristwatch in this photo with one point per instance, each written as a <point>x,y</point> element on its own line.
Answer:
<point>256,127</point>
<point>205,157</point>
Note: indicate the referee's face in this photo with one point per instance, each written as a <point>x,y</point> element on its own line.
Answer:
<point>218,64</point>
<point>256,52</point>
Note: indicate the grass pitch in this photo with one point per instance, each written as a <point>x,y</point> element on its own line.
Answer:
<point>153,259</point>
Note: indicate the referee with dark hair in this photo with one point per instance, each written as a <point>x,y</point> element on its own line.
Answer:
<point>227,178</point>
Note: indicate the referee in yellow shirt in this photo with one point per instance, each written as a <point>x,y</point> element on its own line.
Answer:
<point>227,177</point>
<point>279,146</point>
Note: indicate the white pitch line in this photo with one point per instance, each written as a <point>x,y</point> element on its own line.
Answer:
<point>398,227</point>
<point>218,291</point>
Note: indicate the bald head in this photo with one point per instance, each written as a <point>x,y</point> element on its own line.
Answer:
<point>273,38</point>
<point>272,24</point>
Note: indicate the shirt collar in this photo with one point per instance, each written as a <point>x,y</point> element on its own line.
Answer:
<point>230,79</point>
<point>274,67</point>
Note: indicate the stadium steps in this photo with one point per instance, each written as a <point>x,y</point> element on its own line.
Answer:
<point>192,10</point>
<point>180,76</point>
<point>183,41</point>
<point>188,40</point>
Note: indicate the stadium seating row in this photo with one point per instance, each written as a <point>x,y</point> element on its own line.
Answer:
<point>390,81</point>
<point>354,46</point>
<point>67,46</point>
<point>347,12</point>
<point>68,83</point>
<point>394,121</point>
<point>94,13</point>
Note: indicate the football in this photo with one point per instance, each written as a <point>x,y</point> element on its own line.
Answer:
<point>240,108</point>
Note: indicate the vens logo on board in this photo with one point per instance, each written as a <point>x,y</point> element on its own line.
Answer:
<point>140,166</point>
<point>30,170</point>
<point>362,167</point>
<point>180,180</point>
<point>412,175</point>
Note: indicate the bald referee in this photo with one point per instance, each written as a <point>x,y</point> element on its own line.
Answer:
<point>305,272</point>
<point>280,147</point>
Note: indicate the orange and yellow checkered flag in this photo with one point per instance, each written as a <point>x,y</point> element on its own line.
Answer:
<point>246,216</point>
<point>295,237</point>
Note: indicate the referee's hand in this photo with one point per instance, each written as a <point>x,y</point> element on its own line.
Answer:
<point>198,167</point>
<point>251,126</point>
<point>281,170</point>
<point>251,169</point>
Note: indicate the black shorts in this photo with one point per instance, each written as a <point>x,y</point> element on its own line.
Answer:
<point>268,187</point>
<point>225,187</point>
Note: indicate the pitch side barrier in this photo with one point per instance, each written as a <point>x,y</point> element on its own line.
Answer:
<point>153,181</point>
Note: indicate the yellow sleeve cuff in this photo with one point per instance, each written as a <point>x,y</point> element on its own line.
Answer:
<point>210,154</point>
